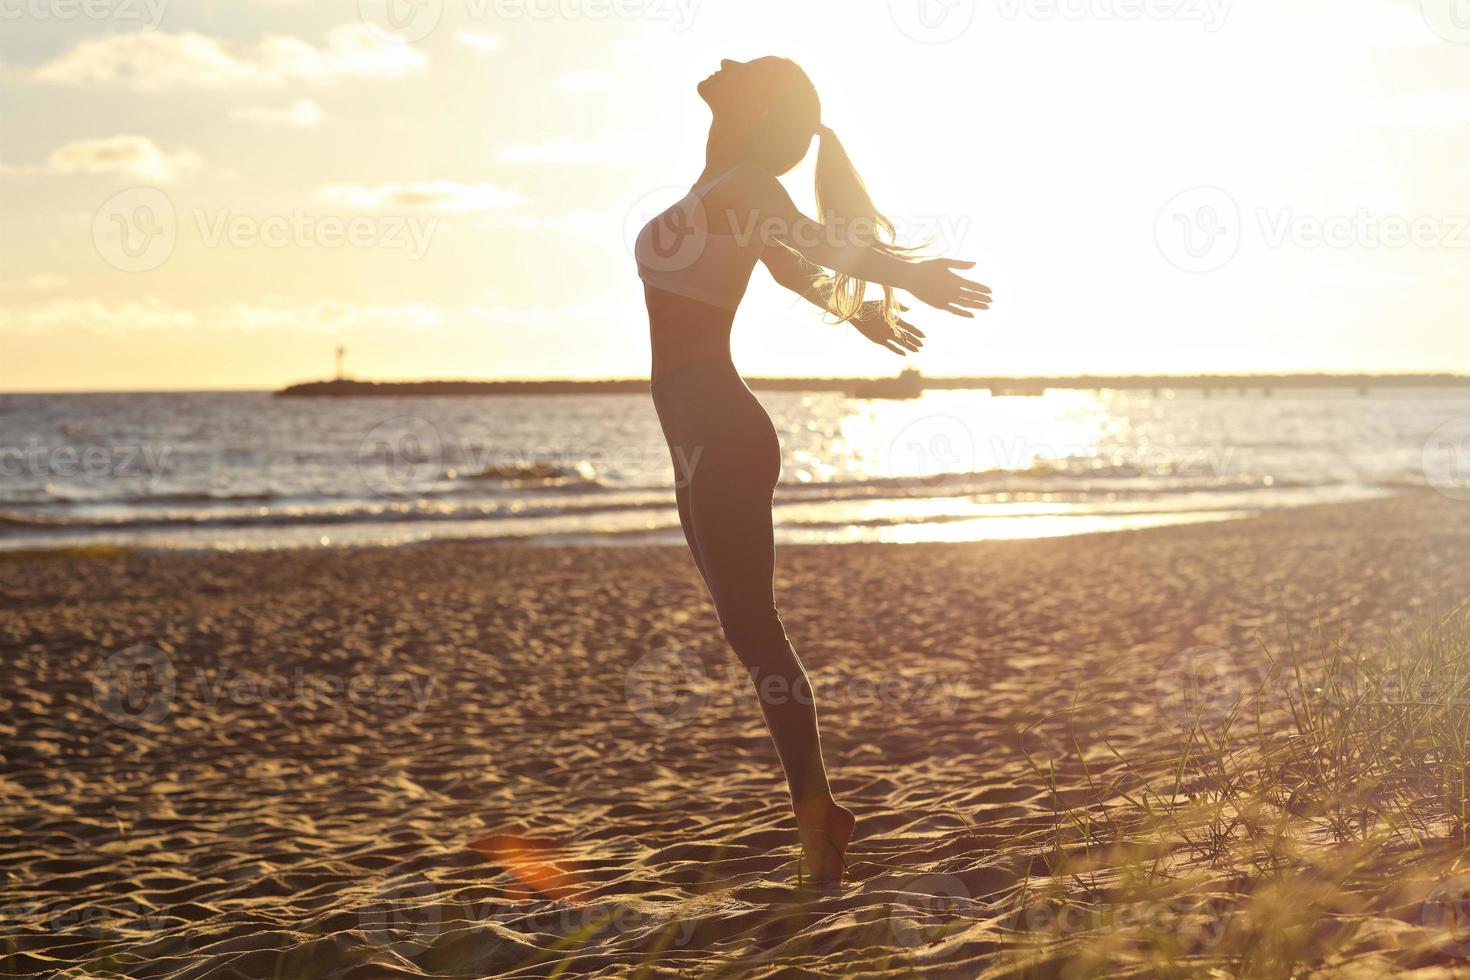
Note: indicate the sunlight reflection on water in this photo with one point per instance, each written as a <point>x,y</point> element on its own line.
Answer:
<point>244,470</point>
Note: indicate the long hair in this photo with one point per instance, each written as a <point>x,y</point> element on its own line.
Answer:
<point>845,209</point>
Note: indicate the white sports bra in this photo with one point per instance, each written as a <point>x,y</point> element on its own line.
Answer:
<point>678,254</point>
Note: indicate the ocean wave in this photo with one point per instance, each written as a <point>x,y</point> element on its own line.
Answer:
<point>582,474</point>
<point>364,513</point>
<point>1047,480</point>
<point>187,497</point>
<point>433,508</point>
<point>532,482</point>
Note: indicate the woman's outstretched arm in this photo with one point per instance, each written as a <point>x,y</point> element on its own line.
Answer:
<point>770,211</point>
<point>812,284</point>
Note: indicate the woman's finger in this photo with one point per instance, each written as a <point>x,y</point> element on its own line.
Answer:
<point>957,264</point>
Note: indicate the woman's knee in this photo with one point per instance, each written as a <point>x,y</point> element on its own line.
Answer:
<point>757,636</point>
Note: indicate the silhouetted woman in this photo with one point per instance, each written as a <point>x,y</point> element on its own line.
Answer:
<point>695,260</point>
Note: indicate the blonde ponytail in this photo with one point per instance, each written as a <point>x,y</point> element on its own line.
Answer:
<point>845,207</point>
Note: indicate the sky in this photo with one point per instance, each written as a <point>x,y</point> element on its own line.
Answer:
<point>201,194</point>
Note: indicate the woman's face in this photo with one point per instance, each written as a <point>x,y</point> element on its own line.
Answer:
<point>742,88</point>
<point>766,106</point>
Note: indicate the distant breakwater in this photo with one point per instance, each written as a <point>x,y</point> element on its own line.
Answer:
<point>1261,384</point>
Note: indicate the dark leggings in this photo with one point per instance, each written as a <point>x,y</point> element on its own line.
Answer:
<point>726,463</point>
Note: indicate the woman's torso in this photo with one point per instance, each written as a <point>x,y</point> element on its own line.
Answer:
<point>695,261</point>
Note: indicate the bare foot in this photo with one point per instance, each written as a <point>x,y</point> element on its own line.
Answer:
<point>826,829</point>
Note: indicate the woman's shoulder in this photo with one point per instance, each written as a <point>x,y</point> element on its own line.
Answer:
<point>748,184</point>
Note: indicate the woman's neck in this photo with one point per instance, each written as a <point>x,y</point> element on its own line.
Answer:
<point>722,151</point>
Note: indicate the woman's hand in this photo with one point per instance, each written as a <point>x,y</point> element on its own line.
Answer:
<point>934,282</point>
<point>900,337</point>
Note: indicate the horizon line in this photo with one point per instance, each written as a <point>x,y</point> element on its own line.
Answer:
<point>1163,379</point>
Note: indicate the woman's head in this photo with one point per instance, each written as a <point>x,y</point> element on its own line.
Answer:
<point>768,105</point>
<point>768,111</point>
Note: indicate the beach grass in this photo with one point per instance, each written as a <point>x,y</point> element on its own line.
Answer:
<point>1279,830</point>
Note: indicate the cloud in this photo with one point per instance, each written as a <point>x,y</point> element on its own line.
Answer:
<point>437,195</point>
<point>33,284</point>
<point>96,315</point>
<point>327,316</point>
<point>152,60</point>
<point>129,156</point>
<point>154,314</point>
<point>302,114</point>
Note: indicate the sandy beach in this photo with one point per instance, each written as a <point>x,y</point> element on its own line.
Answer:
<point>464,760</point>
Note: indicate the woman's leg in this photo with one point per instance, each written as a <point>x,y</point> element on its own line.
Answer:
<point>733,539</point>
<point>686,519</point>
<point>727,461</point>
